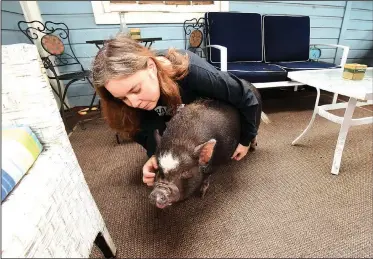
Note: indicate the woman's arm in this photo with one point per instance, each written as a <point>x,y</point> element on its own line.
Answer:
<point>206,81</point>
<point>144,139</point>
<point>145,136</point>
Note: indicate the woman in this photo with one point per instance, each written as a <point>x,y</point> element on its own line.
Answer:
<point>140,91</point>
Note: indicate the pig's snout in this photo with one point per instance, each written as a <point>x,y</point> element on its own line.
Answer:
<point>160,198</point>
<point>164,195</point>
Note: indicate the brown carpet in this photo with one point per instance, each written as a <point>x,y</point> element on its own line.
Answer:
<point>281,201</point>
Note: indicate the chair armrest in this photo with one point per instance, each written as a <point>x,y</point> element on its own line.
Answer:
<point>346,49</point>
<point>223,56</point>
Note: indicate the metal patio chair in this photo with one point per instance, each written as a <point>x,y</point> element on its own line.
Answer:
<point>55,40</point>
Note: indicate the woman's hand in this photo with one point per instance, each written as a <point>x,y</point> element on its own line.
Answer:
<point>148,171</point>
<point>240,152</point>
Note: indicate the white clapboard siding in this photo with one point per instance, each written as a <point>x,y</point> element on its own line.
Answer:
<point>359,33</point>
<point>11,14</point>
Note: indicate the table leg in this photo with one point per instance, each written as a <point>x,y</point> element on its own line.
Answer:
<point>315,110</point>
<point>105,243</point>
<point>150,44</point>
<point>335,97</point>
<point>346,123</point>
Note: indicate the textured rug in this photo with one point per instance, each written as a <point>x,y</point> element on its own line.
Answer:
<point>280,201</point>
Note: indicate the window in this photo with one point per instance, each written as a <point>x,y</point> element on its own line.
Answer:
<point>107,12</point>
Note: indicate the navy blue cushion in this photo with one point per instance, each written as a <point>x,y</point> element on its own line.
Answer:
<point>286,38</point>
<point>306,65</point>
<point>240,33</point>
<point>257,72</point>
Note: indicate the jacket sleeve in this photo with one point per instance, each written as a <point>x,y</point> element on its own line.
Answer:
<point>212,83</point>
<point>147,141</point>
<point>145,136</point>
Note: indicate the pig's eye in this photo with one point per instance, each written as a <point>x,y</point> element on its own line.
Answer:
<point>186,175</point>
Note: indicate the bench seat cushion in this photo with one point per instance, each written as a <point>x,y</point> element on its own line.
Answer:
<point>255,72</point>
<point>305,65</point>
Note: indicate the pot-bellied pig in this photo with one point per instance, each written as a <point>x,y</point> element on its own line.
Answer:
<point>202,135</point>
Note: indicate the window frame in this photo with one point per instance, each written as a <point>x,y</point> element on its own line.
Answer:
<point>107,13</point>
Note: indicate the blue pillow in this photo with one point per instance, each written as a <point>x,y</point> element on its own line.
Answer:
<point>20,149</point>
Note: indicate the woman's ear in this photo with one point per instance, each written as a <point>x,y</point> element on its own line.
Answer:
<point>152,68</point>
<point>151,65</point>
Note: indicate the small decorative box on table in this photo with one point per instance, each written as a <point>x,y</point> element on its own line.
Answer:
<point>354,71</point>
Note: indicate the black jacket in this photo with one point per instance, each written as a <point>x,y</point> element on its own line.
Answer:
<point>203,81</point>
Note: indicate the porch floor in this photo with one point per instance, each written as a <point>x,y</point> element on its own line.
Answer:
<point>281,201</point>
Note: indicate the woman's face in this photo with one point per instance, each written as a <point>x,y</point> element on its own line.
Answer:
<point>140,90</point>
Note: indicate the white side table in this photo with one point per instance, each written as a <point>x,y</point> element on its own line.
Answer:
<point>331,80</point>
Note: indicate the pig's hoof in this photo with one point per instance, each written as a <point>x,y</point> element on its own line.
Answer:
<point>253,146</point>
<point>204,188</point>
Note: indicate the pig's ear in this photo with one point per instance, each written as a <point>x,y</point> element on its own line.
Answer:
<point>205,151</point>
<point>157,137</point>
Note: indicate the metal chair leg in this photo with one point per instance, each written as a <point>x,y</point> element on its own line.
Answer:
<point>92,101</point>
<point>117,138</point>
<point>62,110</point>
<point>67,87</point>
<point>64,103</point>
<point>94,95</point>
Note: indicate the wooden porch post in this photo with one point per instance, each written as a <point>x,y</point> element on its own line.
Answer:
<point>31,12</point>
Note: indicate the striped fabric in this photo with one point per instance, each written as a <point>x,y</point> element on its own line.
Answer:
<point>20,149</point>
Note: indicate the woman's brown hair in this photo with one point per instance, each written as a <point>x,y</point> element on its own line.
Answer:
<point>121,57</point>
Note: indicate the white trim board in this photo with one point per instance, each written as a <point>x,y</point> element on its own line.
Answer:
<point>104,13</point>
<point>31,12</point>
